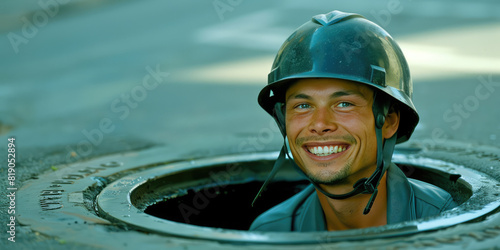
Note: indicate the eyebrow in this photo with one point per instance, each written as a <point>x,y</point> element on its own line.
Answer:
<point>345,93</point>
<point>332,96</point>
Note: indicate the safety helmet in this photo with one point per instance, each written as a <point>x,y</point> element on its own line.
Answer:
<point>344,46</point>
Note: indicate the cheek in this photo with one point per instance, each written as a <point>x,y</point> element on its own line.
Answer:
<point>356,122</point>
<point>293,126</point>
<point>362,128</point>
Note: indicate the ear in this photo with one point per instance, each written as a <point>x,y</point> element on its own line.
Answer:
<point>391,123</point>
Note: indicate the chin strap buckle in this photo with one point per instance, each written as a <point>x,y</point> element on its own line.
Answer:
<point>370,203</point>
<point>369,188</point>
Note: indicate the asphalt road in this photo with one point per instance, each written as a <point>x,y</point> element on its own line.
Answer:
<point>80,79</point>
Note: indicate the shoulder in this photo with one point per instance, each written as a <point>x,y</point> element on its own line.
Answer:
<point>279,218</point>
<point>430,200</point>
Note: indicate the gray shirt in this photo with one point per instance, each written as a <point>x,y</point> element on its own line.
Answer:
<point>407,199</point>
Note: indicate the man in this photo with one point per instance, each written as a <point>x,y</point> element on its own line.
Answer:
<point>340,91</point>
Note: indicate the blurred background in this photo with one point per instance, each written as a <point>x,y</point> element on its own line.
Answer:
<point>84,78</point>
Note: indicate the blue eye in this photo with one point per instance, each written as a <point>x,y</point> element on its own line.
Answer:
<point>303,106</point>
<point>344,105</point>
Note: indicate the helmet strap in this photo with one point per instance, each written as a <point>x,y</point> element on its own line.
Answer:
<point>277,166</point>
<point>280,120</point>
<point>279,117</point>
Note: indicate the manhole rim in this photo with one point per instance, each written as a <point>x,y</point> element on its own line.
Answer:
<point>108,200</point>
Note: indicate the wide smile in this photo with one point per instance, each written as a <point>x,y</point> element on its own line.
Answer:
<point>325,151</point>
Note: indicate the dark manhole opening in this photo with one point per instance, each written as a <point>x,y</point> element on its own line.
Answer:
<point>227,206</point>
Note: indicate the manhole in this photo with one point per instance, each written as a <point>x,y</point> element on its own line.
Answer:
<point>144,199</point>
<point>126,200</point>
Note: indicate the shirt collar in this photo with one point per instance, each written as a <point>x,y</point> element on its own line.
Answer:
<point>311,218</point>
<point>400,197</point>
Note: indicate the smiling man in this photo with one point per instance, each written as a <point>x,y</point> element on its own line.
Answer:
<point>340,91</point>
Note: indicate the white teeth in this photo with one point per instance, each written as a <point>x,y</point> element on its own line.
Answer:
<point>326,150</point>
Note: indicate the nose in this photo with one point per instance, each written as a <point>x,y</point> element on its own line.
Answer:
<point>322,121</point>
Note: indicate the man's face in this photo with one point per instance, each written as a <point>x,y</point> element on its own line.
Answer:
<point>331,131</point>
